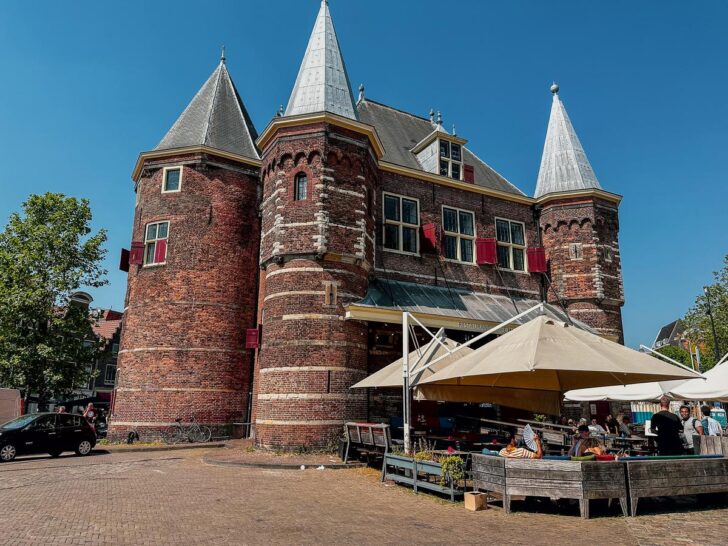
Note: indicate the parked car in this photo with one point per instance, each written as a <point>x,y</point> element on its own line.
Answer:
<point>51,433</point>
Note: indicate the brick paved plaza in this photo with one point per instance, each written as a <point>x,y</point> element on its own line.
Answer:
<point>176,498</point>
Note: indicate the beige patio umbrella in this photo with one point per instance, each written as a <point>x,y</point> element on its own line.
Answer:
<point>391,375</point>
<point>532,366</point>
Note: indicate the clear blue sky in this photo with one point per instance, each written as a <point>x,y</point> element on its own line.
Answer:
<point>87,85</point>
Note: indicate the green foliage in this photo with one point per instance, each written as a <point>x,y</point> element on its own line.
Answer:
<point>697,321</point>
<point>47,254</point>
<point>540,417</point>
<point>453,468</point>
<point>676,353</point>
<point>424,456</point>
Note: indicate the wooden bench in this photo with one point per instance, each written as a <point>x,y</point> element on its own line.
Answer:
<point>581,480</point>
<point>674,477</point>
<point>367,438</point>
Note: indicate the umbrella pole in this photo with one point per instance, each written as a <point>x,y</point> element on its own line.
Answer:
<point>405,382</point>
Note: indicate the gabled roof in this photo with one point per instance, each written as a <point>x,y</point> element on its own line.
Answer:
<point>564,165</point>
<point>108,324</point>
<point>400,132</point>
<point>322,84</point>
<point>216,117</point>
<point>668,334</point>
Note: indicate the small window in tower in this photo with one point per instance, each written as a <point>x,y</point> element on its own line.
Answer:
<point>576,251</point>
<point>608,255</point>
<point>300,191</point>
<point>172,179</point>
<point>155,243</point>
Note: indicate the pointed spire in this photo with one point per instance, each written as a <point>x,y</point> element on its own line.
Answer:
<point>322,84</point>
<point>564,165</point>
<point>361,92</point>
<point>222,55</point>
<point>216,117</point>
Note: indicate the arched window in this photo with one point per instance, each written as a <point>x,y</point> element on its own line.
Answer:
<point>300,187</point>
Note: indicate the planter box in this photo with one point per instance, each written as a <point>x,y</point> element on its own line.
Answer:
<point>418,475</point>
<point>581,480</point>
<point>667,478</point>
<point>475,501</point>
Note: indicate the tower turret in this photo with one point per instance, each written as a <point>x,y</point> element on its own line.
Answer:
<point>319,175</point>
<point>193,270</point>
<point>580,228</point>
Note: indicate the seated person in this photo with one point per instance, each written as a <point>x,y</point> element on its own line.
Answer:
<point>579,446</point>
<point>513,452</point>
<point>593,445</point>
<point>596,427</point>
<point>624,430</point>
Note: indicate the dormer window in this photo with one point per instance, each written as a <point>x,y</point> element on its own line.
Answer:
<point>451,157</point>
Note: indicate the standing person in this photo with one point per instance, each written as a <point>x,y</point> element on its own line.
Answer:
<point>711,427</point>
<point>90,414</point>
<point>611,425</point>
<point>668,427</point>
<point>691,426</point>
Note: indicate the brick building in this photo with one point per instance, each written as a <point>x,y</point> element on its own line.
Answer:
<point>318,234</point>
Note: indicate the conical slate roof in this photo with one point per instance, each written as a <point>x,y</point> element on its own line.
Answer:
<point>215,118</point>
<point>564,165</point>
<point>322,84</point>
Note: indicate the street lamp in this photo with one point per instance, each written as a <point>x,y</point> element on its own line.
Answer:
<point>712,323</point>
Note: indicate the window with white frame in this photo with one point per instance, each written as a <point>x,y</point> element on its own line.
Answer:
<point>401,223</point>
<point>300,187</point>
<point>511,244</point>
<point>172,179</point>
<point>451,159</point>
<point>110,374</point>
<point>458,232</point>
<point>155,243</point>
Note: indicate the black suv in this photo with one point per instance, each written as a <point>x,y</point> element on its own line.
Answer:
<point>51,433</point>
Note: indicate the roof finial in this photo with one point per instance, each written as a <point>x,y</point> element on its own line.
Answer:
<point>439,118</point>
<point>222,55</point>
<point>454,133</point>
<point>361,92</point>
<point>432,116</point>
<point>554,88</point>
<point>280,111</point>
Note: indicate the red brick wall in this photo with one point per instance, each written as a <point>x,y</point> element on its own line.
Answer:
<point>183,345</point>
<point>591,285</point>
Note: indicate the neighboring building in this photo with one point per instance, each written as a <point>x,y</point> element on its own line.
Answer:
<point>318,234</point>
<point>108,330</point>
<point>671,334</point>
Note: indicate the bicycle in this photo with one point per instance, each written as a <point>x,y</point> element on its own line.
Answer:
<point>193,433</point>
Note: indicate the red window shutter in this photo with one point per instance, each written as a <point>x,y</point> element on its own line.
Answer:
<point>124,260</point>
<point>429,238</point>
<point>536,260</point>
<point>136,256</point>
<point>469,174</point>
<point>251,338</point>
<point>160,253</point>
<point>486,251</point>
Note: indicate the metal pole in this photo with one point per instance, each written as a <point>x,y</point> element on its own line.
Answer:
<point>712,324</point>
<point>660,355</point>
<point>405,382</point>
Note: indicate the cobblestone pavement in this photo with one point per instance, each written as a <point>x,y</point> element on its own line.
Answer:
<point>174,498</point>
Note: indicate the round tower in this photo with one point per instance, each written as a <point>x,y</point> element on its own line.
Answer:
<point>579,222</point>
<point>193,271</point>
<point>317,246</point>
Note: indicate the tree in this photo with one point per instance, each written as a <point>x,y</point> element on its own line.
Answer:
<point>699,330</point>
<point>676,353</point>
<point>47,254</point>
